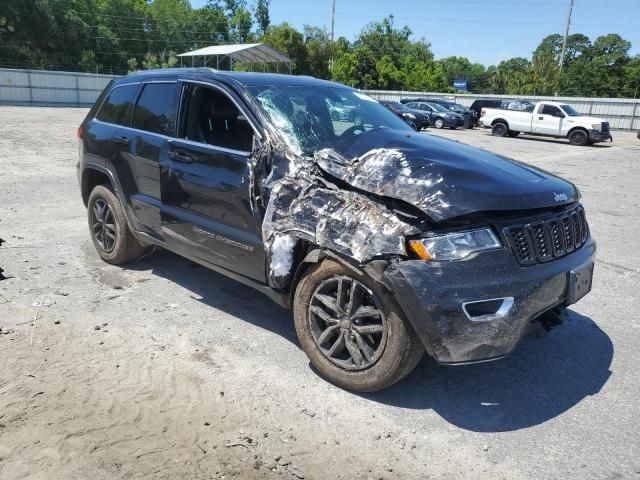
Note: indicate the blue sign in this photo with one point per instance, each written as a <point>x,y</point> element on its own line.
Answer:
<point>460,84</point>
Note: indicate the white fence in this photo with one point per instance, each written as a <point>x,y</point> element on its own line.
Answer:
<point>41,87</point>
<point>622,113</point>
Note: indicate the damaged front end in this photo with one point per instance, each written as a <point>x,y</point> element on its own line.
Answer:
<point>367,195</point>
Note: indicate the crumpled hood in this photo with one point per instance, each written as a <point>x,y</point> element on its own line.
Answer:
<point>443,178</point>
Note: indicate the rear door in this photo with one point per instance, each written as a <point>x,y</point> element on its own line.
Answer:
<point>548,120</point>
<point>101,145</point>
<point>152,128</point>
<point>208,210</point>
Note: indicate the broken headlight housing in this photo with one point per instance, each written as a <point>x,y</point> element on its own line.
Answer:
<point>455,245</point>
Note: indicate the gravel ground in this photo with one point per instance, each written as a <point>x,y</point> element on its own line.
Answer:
<point>167,370</point>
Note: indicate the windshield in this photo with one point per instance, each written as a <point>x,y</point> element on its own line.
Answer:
<point>569,110</point>
<point>399,106</point>
<point>438,108</point>
<point>455,107</point>
<point>302,115</point>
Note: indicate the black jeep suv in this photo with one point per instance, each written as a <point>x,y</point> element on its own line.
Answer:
<point>384,242</point>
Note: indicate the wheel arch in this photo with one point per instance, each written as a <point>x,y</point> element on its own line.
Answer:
<point>500,120</point>
<point>94,175</point>
<point>577,128</point>
<point>315,255</point>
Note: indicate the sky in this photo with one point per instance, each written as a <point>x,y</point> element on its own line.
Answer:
<point>485,31</point>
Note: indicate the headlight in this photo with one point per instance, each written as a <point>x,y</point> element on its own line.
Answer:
<point>596,126</point>
<point>455,245</point>
<point>411,116</point>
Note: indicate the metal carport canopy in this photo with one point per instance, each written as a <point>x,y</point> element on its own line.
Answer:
<point>243,53</point>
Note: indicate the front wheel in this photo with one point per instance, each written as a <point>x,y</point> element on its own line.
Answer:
<point>439,123</point>
<point>579,138</point>
<point>352,329</point>
<point>109,230</point>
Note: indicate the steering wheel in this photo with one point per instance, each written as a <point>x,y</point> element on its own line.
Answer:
<point>351,131</point>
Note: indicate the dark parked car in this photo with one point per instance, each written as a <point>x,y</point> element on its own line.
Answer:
<point>439,116</point>
<point>415,119</point>
<point>384,242</point>
<point>468,114</point>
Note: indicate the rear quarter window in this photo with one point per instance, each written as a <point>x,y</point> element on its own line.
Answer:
<point>157,108</point>
<point>118,106</point>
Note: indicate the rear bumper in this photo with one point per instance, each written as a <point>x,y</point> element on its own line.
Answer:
<point>598,136</point>
<point>432,295</point>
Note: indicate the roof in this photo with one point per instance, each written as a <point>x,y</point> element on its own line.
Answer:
<point>244,52</point>
<point>248,79</point>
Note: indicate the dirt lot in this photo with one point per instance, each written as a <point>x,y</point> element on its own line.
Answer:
<point>167,370</point>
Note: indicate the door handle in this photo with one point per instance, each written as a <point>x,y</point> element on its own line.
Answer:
<point>122,141</point>
<point>540,118</point>
<point>181,157</point>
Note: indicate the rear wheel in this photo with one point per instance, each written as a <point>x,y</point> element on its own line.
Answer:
<point>579,138</point>
<point>109,230</point>
<point>352,329</point>
<point>499,129</point>
<point>439,123</point>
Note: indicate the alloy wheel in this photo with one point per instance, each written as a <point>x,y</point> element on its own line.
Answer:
<point>103,225</point>
<point>347,323</point>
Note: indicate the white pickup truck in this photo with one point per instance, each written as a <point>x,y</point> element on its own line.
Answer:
<point>547,118</point>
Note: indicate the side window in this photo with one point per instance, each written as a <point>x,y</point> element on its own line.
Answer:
<point>156,109</point>
<point>118,106</point>
<point>550,110</point>
<point>213,118</point>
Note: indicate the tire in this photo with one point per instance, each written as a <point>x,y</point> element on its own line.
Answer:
<point>335,116</point>
<point>499,129</point>
<point>394,349</point>
<point>357,120</point>
<point>413,125</point>
<point>438,123</point>
<point>513,134</point>
<point>104,209</point>
<point>579,137</point>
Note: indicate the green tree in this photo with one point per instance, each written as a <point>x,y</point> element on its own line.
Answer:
<point>318,45</point>
<point>262,16</point>
<point>288,40</point>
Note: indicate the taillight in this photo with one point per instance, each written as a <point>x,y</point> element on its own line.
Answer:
<point>80,131</point>
<point>482,112</point>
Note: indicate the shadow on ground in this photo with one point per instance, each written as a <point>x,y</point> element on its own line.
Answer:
<point>546,375</point>
<point>222,293</point>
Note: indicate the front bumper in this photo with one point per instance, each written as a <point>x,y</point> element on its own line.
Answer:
<point>432,295</point>
<point>454,122</point>
<point>598,136</point>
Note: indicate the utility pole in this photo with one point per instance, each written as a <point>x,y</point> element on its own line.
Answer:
<point>566,34</point>
<point>333,29</point>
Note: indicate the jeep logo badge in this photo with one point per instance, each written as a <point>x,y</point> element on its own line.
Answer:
<point>560,197</point>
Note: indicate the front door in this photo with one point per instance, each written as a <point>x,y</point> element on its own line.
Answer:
<point>548,120</point>
<point>206,184</point>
